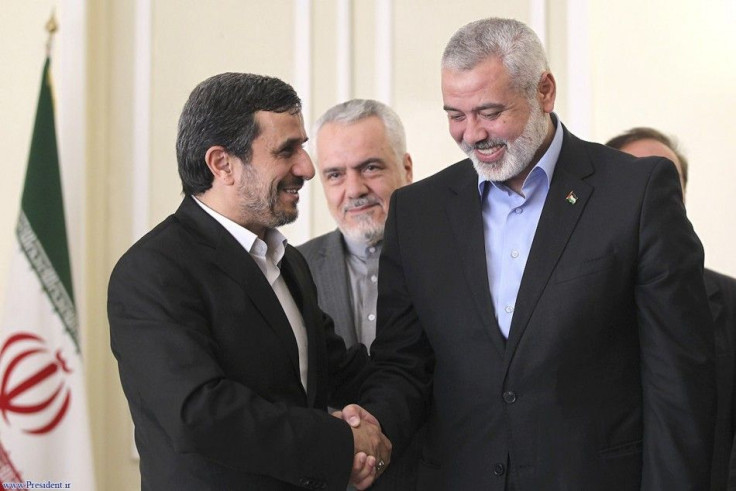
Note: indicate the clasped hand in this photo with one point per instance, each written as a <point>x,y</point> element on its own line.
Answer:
<point>372,448</point>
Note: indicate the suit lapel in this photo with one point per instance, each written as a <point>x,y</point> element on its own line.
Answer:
<point>334,273</point>
<point>714,297</point>
<point>298,284</point>
<point>466,220</point>
<point>556,224</point>
<point>230,257</point>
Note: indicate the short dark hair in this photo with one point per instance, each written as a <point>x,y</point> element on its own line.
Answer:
<point>645,133</point>
<point>221,111</point>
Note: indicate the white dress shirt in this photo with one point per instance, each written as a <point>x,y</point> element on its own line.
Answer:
<point>267,256</point>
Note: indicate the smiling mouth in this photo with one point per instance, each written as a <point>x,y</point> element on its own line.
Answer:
<point>291,188</point>
<point>361,209</point>
<point>488,153</point>
<point>360,205</point>
<point>489,150</point>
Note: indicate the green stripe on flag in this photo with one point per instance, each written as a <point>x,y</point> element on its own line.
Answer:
<point>41,227</point>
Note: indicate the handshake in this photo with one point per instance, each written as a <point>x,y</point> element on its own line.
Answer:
<point>372,448</point>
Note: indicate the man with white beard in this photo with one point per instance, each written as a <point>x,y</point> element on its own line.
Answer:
<point>360,151</point>
<point>540,304</point>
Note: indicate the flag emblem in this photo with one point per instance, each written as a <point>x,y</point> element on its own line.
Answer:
<point>33,388</point>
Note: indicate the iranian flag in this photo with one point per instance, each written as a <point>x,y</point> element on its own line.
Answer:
<point>44,431</point>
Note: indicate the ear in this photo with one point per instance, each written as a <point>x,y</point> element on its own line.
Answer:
<point>547,91</point>
<point>408,167</point>
<point>220,164</point>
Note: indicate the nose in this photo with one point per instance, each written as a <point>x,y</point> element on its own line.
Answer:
<point>474,131</point>
<point>354,185</point>
<point>303,167</point>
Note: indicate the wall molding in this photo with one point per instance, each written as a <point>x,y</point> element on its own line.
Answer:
<point>344,54</point>
<point>538,19</point>
<point>300,230</point>
<point>70,74</point>
<point>384,51</point>
<point>141,164</point>
<point>579,115</point>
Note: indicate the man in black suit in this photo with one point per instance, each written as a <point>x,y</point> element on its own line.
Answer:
<point>546,295</point>
<point>226,360</point>
<point>721,290</point>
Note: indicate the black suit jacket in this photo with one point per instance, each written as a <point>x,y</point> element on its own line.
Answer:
<point>209,365</point>
<point>606,380</point>
<point>722,299</point>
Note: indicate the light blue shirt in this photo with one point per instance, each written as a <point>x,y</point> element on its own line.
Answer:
<point>509,224</point>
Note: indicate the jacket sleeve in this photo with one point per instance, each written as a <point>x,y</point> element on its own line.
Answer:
<point>676,342</point>
<point>398,393</point>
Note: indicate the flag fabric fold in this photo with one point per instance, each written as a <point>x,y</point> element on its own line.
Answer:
<point>44,429</point>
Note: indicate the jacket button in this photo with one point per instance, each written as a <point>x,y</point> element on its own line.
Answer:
<point>499,469</point>
<point>509,397</point>
<point>312,483</point>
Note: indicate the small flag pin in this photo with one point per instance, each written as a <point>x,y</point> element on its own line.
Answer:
<point>571,198</point>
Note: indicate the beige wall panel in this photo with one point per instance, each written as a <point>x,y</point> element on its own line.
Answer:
<point>556,47</point>
<point>109,190</point>
<point>670,66</point>
<point>324,59</point>
<point>364,66</point>
<point>324,94</point>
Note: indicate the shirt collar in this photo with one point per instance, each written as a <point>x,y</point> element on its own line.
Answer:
<point>360,249</point>
<point>547,162</point>
<point>275,243</point>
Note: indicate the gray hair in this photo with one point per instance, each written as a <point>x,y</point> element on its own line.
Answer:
<point>358,109</point>
<point>514,43</point>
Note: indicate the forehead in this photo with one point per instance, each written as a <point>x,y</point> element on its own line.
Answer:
<point>275,126</point>
<point>356,141</point>
<point>487,82</point>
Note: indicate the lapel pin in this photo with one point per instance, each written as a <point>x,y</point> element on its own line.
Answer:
<point>571,198</point>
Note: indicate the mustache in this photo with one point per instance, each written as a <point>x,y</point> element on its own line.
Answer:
<point>291,182</point>
<point>357,203</point>
<point>484,145</point>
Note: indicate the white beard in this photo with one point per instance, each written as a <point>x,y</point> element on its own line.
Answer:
<point>519,153</point>
<point>366,230</point>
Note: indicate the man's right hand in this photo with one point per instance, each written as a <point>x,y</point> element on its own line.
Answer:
<point>372,448</point>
